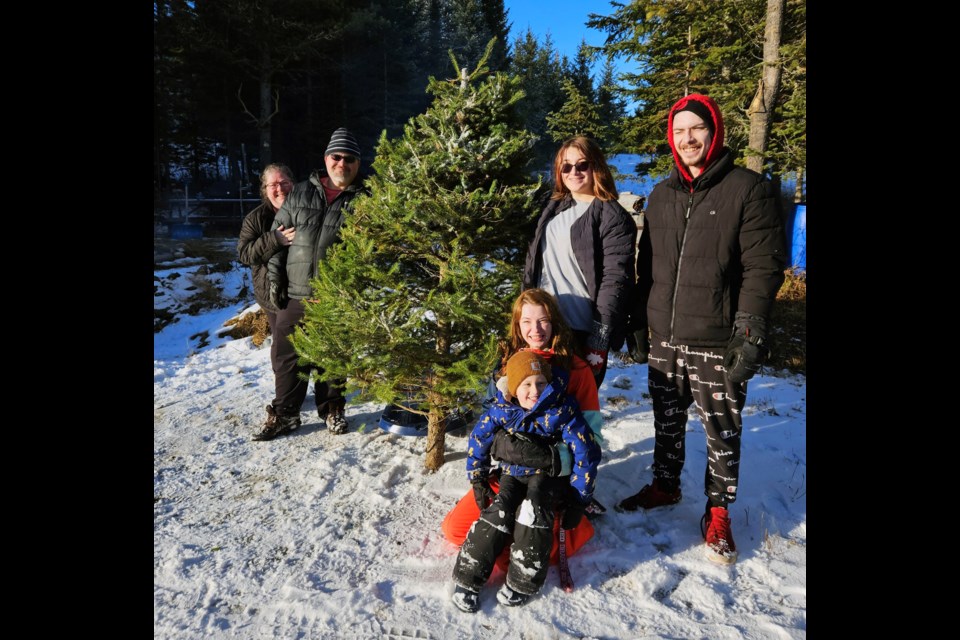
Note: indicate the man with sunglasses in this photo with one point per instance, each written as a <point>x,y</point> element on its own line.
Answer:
<point>314,209</point>
<point>710,263</point>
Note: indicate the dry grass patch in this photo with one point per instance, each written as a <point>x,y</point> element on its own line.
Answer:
<point>788,325</point>
<point>252,324</point>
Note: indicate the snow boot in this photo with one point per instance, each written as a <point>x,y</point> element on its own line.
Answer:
<point>466,600</point>
<point>336,421</point>
<point>650,497</point>
<point>511,598</point>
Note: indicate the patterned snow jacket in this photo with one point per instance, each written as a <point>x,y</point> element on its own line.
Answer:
<point>556,416</point>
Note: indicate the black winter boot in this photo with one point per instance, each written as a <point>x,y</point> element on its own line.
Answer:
<point>466,599</point>
<point>511,598</point>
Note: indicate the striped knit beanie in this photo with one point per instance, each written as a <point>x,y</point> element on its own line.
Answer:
<point>344,142</point>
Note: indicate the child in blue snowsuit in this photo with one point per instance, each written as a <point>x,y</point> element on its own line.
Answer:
<point>523,507</point>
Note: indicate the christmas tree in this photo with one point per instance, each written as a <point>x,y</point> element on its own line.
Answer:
<point>409,306</point>
<point>579,116</point>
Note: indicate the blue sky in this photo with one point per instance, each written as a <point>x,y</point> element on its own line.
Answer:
<point>565,20</point>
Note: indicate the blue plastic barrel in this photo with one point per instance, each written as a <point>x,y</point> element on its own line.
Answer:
<point>186,231</point>
<point>799,251</point>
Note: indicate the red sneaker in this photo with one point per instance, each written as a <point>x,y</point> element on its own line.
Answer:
<point>715,527</point>
<point>649,497</point>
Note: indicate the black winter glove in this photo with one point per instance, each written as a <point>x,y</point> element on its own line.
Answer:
<point>747,350</point>
<point>482,492</point>
<point>278,296</point>
<point>569,502</point>
<point>572,514</point>
<point>638,345</point>
<point>527,453</point>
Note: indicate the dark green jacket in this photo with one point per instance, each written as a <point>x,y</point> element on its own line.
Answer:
<point>318,227</point>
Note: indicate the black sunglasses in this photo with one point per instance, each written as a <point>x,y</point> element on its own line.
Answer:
<point>336,157</point>
<point>581,166</point>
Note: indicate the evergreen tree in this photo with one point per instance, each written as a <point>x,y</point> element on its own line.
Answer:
<point>472,24</point>
<point>540,69</point>
<point>237,74</point>
<point>580,72</point>
<point>172,92</point>
<point>389,64</point>
<point>409,305</point>
<point>612,108</point>
<point>579,116</point>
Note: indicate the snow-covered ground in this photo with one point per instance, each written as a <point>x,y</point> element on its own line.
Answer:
<point>314,535</point>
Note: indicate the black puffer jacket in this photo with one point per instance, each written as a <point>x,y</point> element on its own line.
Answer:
<point>318,227</point>
<point>603,240</point>
<point>709,249</point>
<point>256,246</point>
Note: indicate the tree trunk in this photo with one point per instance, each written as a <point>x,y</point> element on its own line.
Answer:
<point>437,421</point>
<point>761,109</point>
<point>436,441</point>
<point>798,191</point>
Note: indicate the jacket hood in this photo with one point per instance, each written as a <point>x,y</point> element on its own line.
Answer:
<point>716,145</point>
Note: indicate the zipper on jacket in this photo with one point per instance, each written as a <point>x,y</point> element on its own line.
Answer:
<point>676,284</point>
<point>316,245</point>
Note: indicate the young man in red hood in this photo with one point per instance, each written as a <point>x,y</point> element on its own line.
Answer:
<point>708,269</point>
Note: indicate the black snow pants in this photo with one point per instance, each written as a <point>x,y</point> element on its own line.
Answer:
<point>291,390</point>
<point>524,507</point>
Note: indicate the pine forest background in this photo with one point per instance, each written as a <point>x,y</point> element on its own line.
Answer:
<point>241,83</point>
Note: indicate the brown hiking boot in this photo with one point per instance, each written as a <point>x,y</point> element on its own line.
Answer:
<point>276,425</point>
<point>650,497</point>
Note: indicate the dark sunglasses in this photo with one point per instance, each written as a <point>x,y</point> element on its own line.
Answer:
<point>581,166</point>
<point>336,157</point>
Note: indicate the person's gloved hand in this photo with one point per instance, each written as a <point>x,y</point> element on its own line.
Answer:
<point>278,295</point>
<point>572,514</point>
<point>482,493</point>
<point>571,504</point>
<point>536,455</point>
<point>598,344</point>
<point>747,349</point>
<point>638,345</point>
<point>596,358</point>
